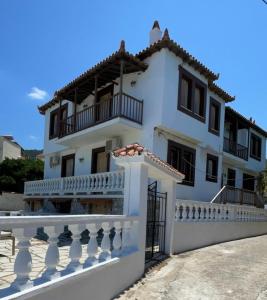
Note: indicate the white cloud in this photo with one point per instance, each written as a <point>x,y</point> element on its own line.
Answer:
<point>37,93</point>
<point>33,137</point>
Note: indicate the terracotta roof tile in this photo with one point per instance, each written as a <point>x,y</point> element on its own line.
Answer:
<point>137,149</point>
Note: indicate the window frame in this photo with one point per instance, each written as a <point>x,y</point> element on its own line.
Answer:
<point>195,82</point>
<point>218,104</point>
<point>215,159</point>
<point>255,136</point>
<point>57,112</point>
<point>182,148</point>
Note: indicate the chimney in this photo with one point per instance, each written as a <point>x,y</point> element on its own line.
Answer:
<point>155,33</point>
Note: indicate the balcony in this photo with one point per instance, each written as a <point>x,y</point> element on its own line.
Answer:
<point>235,149</point>
<point>119,106</point>
<point>107,183</point>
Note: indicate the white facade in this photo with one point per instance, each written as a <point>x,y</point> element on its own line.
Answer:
<point>158,87</point>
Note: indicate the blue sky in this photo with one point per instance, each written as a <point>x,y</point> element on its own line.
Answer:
<point>45,44</point>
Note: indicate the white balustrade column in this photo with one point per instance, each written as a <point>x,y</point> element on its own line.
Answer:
<point>184,212</point>
<point>135,199</point>
<point>75,253</point>
<point>117,240</point>
<point>126,238</point>
<point>169,186</point>
<point>23,262</point>
<point>92,247</point>
<point>52,254</point>
<point>105,243</point>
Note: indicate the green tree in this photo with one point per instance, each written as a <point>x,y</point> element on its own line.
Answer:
<point>14,172</point>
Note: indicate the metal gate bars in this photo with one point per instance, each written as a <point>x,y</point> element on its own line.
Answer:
<point>156,221</point>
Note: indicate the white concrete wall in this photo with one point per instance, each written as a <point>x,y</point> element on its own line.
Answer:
<point>193,235</point>
<point>97,283</point>
<point>11,202</point>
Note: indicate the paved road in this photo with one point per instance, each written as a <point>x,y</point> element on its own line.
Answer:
<point>233,270</point>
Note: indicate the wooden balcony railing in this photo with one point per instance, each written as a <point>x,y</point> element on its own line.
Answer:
<point>123,105</point>
<point>233,195</point>
<point>235,149</point>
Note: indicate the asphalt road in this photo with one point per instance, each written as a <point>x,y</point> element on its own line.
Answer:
<point>233,270</point>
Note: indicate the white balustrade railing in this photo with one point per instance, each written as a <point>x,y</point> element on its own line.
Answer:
<point>118,238</point>
<point>84,184</point>
<point>195,211</point>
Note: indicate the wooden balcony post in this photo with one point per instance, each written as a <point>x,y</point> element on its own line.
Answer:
<point>59,126</point>
<point>95,99</point>
<point>121,84</point>
<point>75,110</point>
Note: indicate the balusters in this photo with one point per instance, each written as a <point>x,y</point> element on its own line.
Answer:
<point>117,240</point>
<point>92,247</point>
<point>105,243</point>
<point>191,212</point>
<point>23,262</point>
<point>184,212</point>
<point>75,248</point>
<point>52,254</point>
<point>126,238</point>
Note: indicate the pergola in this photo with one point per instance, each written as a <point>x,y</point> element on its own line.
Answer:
<point>107,71</point>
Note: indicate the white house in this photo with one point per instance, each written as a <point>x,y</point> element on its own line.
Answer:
<point>162,98</point>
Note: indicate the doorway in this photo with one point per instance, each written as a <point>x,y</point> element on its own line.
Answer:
<point>104,101</point>
<point>100,160</point>
<point>67,165</point>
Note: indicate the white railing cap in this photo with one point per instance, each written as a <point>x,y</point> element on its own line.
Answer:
<point>41,221</point>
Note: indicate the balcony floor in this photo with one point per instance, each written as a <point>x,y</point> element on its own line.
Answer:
<point>103,131</point>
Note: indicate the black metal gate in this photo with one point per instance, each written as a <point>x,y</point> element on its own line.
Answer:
<point>156,220</point>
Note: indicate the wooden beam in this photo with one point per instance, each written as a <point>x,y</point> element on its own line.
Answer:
<point>75,108</point>
<point>121,83</point>
<point>96,86</point>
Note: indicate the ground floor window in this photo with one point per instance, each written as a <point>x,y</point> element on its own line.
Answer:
<point>231,177</point>
<point>212,168</point>
<point>248,182</point>
<point>183,159</point>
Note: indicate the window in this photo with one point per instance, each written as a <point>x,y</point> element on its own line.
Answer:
<point>231,177</point>
<point>192,95</point>
<point>212,168</point>
<point>182,158</point>
<point>248,182</point>
<point>57,115</point>
<point>255,146</point>
<point>214,117</point>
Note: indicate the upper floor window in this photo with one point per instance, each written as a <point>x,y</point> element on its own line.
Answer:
<point>192,95</point>
<point>56,116</point>
<point>182,158</point>
<point>214,117</point>
<point>212,168</point>
<point>255,146</point>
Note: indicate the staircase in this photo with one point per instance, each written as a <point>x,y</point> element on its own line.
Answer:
<point>233,195</point>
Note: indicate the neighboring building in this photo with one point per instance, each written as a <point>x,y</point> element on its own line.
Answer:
<point>32,154</point>
<point>9,148</point>
<point>162,98</point>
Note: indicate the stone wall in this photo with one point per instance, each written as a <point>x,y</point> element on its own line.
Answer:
<point>11,202</point>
